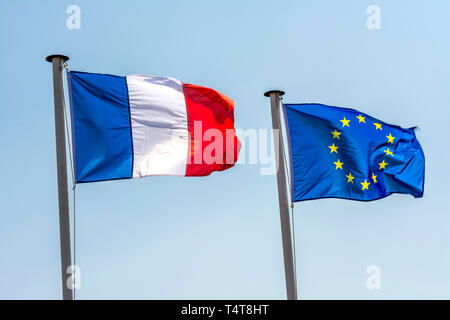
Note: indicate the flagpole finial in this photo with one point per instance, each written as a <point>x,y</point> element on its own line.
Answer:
<point>280,92</point>
<point>63,57</point>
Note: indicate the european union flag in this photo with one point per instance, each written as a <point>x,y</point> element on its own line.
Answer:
<point>343,153</point>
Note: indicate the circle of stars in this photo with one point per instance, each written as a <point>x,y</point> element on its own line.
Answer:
<point>339,164</point>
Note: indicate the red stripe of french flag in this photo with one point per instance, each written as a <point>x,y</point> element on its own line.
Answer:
<point>210,115</point>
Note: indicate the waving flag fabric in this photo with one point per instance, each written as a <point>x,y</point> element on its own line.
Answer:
<point>343,153</point>
<point>137,126</point>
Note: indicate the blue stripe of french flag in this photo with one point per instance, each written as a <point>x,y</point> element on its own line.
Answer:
<point>137,126</point>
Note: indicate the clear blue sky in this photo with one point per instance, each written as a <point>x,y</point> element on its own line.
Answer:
<point>219,237</point>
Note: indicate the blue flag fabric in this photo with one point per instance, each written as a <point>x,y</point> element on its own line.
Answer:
<point>343,153</point>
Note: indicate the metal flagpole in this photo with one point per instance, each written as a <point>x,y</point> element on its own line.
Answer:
<point>291,285</point>
<point>57,61</point>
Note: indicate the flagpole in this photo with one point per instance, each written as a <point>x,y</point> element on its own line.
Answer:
<point>291,285</point>
<point>57,61</point>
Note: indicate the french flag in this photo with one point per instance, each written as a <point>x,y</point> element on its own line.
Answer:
<point>137,126</point>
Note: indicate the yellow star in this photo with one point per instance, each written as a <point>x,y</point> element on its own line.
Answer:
<point>365,185</point>
<point>345,122</point>
<point>335,134</point>
<point>377,126</point>
<point>383,165</point>
<point>338,164</point>
<point>333,148</point>
<point>388,152</point>
<point>350,177</point>
<point>390,138</point>
<point>361,119</point>
<point>374,178</point>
